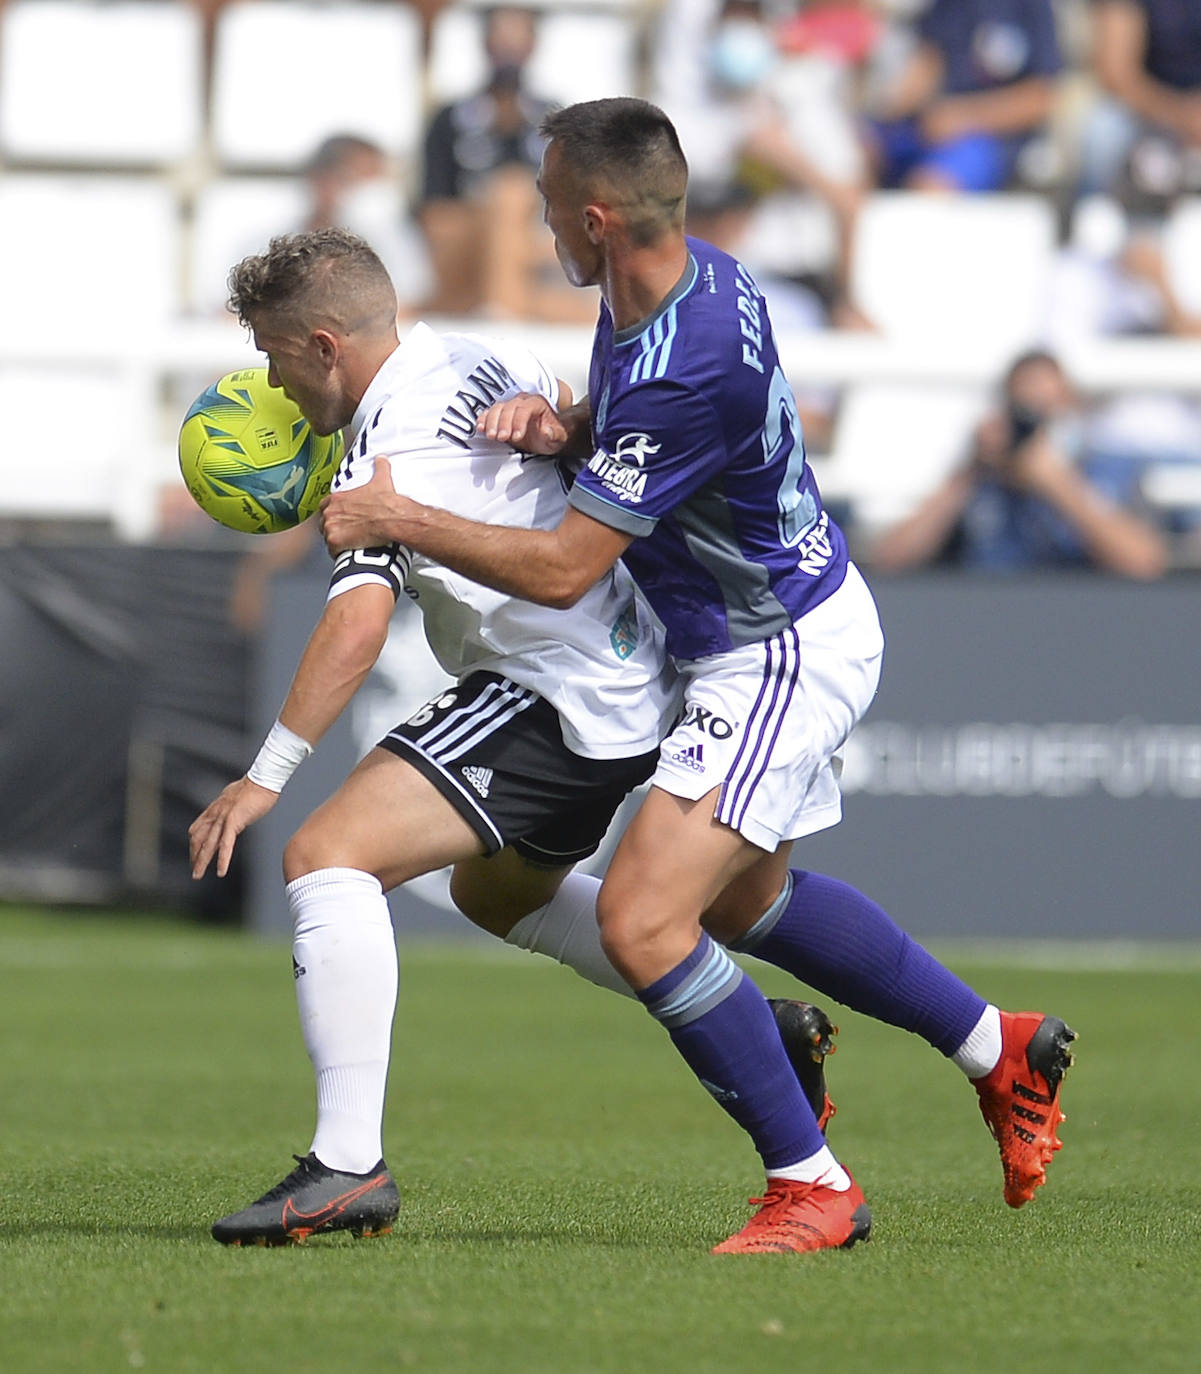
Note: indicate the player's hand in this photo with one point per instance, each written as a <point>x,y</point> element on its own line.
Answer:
<point>214,831</point>
<point>528,421</point>
<point>362,517</point>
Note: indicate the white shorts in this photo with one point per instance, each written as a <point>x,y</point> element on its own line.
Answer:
<point>766,723</point>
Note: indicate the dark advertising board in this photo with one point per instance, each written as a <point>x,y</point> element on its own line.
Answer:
<point>1032,763</point>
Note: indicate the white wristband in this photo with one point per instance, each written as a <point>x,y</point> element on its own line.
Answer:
<point>282,754</point>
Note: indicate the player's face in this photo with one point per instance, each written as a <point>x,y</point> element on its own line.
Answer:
<point>565,213</point>
<point>297,366</point>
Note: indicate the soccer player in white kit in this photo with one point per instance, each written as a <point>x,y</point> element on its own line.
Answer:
<point>696,479</point>
<point>513,773</point>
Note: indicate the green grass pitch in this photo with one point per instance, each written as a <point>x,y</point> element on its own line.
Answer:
<point>563,1177</point>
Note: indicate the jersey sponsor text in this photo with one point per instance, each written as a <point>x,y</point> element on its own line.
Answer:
<point>487,384</point>
<point>815,548</point>
<point>622,473</point>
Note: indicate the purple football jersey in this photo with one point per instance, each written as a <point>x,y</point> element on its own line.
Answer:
<point>698,453</point>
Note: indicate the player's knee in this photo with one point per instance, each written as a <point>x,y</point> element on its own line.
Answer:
<point>307,851</point>
<point>731,915</point>
<point>624,930</point>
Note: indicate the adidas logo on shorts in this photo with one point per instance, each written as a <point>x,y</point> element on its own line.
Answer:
<point>693,756</point>
<point>479,778</point>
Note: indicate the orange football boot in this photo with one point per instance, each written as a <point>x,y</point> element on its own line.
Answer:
<point>1019,1099</point>
<point>799,1217</point>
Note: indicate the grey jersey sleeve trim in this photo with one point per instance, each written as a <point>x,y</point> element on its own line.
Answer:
<point>609,513</point>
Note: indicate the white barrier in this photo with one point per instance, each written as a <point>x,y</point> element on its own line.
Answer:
<point>151,374</point>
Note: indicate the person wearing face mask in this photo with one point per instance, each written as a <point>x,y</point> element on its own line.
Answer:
<point>761,115</point>
<point>479,206</point>
<point>352,185</point>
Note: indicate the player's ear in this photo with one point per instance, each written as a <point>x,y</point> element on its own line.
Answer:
<point>596,219</point>
<point>328,346</point>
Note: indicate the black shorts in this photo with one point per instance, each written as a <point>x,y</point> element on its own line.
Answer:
<point>495,751</point>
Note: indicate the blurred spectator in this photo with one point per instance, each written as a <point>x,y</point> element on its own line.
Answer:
<point>1145,447</point>
<point>352,185</point>
<point>980,81</point>
<point>794,306</point>
<point>1112,278</point>
<point>348,182</point>
<point>1023,499</point>
<point>1147,61</point>
<point>1112,275</point>
<point>763,108</point>
<point>480,209</point>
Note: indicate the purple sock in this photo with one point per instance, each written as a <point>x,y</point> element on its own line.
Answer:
<point>841,943</point>
<point>720,1022</point>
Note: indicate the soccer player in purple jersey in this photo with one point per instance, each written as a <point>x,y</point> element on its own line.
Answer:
<point>695,476</point>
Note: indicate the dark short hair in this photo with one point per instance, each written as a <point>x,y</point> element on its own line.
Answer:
<point>332,152</point>
<point>322,276</point>
<point>1032,357</point>
<point>632,148</point>
<point>621,131</point>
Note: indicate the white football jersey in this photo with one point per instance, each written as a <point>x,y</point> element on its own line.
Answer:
<point>602,663</point>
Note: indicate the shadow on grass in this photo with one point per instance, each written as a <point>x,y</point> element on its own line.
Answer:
<point>513,1238</point>
<point>504,1238</point>
<point>83,1230</point>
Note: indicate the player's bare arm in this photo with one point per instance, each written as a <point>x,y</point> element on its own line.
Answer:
<point>340,653</point>
<point>550,567</point>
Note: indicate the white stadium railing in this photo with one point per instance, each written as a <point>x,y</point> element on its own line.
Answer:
<point>100,417</point>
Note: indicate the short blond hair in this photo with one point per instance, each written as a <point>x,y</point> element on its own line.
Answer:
<point>324,277</point>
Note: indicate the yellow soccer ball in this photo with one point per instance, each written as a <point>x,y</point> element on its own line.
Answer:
<point>251,459</point>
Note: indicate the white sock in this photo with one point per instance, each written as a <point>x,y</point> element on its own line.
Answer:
<point>979,1053</point>
<point>345,965</point>
<point>565,929</point>
<point>821,1168</point>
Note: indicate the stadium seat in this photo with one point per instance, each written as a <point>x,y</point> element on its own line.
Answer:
<point>233,216</point>
<point>116,84</point>
<point>580,55</point>
<point>86,469</point>
<point>236,215</point>
<point>930,268</point>
<point>790,233</point>
<point>893,443</point>
<point>90,274</point>
<point>287,74</point>
<point>88,253</point>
